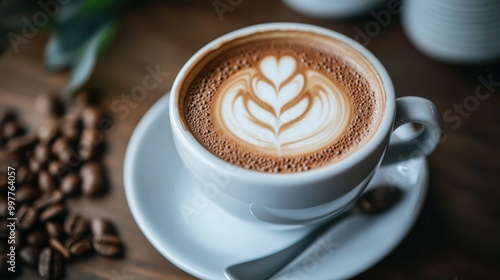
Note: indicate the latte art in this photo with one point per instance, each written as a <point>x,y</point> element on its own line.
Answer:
<point>281,109</point>
<point>282,102</point>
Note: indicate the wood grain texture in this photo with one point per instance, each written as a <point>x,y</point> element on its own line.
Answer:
<point>457,235</point>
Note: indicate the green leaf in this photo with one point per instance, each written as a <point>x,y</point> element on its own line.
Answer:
<point>63,48</point>
<point>56,57</point>
<point>69,11</point>
<point>86,59</point>
<point>91,6</point>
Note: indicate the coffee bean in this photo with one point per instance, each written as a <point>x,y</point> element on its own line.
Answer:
<point>27,193</point>
<point>12,129</point>
<point>37,238</point>
<point>90,143</point>
<point>107,245</point>
<point>4,265</point>
<point>66,154</point>
<point>3,227</point>
<point>42,154</point>
<point>48,131</point>
<point>80,247</point>
<point>59,145</point>
<point>58,169</point>
<point>24,175</point>
<point>6,115</point>
<point>53,212</point>
<point>49,167</point>
<point>46,182</point>
<point>49,104</point>
<point>91,116</point>
<point>54,229</point>
<point>29,256</point>
<point>26,217</point>
<point>34,165</point>
<point>71,127</point>
<point>19,239</point>
<point>14,159</point>
<point>85,98</point>
<point>101,226</point>
<point>86,151</point>
<point>72,134</point>
<point>48,199</point>
<point>59,247</point>
<point>4,183</point>
<point>71,120</point>
<point>75,225</point>
<point>80,102</point>
<point>72,240</point>
<point>70,185</point>
<point>21,144</point>
<point>93,179</point>
<point>4,204</point>
<point>50,264</point>
<point>93,186</point>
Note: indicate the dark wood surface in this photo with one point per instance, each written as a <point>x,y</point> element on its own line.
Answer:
<point>458,233</point>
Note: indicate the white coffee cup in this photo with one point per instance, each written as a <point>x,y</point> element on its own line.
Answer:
<point>330,9</point>
<point>310,196</point>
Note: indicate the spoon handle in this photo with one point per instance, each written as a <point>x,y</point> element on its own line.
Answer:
<point>372,202</point>
<point>266,267</point>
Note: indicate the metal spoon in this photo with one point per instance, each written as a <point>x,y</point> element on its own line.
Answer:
<point>372,202</point>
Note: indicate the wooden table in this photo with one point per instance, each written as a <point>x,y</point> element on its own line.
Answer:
<point>458,233</point>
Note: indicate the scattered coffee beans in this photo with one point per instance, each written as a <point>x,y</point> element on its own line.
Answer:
<point>54,230</point>
<point>46,182</point>
<point>59,247</point>
<point>80,247</point>
<point>29,255</point>
<point>108,245</point>
<point>49,104</point>
<point>71,185</point>
<point>50,264</point>
<point>101,226</point>
<point>93,179</point>
<point>48,131</point>
<point>53,212</point>
<point>75,225</point>
<point>61,159</point>
<point>37,238</point>
<point>26,194</point>
<point>26,217</point>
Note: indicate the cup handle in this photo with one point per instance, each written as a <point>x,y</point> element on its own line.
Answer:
<point>412,109</point>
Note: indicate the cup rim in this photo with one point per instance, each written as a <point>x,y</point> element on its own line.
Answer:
<point>276,179</point>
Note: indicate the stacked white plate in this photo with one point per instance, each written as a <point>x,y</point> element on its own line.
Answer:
<point>459,31</point>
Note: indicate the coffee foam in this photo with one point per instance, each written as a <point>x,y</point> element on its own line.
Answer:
<point>224,105</point>
<point>281,109</point>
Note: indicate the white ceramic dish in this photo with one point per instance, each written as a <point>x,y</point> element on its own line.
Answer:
<point>333,8</point>
<point>202,239</point>
<point>453,31</point>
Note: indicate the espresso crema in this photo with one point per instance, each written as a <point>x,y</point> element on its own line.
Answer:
<point>283,103</point>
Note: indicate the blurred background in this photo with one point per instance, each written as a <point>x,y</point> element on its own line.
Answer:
<point>446,51</point>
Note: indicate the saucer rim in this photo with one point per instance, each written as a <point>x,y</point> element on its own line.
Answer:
<point>138,211</point>
<point>134,207</point>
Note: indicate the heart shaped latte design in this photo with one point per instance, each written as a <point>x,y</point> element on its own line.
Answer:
<point>282,109</point>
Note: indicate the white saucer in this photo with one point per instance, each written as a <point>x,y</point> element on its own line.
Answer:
<point>205,240</point>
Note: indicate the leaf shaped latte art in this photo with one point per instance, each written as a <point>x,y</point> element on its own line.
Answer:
<point>281,109</point>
